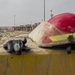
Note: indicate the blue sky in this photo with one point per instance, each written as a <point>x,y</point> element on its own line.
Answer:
<point>31,11</point>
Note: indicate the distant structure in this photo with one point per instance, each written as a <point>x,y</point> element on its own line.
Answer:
<point>51,14</point>
<point>6,29</point>
<point>27,27</point>
<point>23,28</point>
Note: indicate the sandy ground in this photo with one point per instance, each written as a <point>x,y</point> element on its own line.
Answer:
<point>17,35</point>
<point>13,35</point>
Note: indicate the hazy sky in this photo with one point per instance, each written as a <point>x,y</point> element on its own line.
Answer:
<point>31,11</point>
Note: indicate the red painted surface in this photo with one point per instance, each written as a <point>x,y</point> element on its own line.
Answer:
<point>64,22</point>
<point>49,30</point>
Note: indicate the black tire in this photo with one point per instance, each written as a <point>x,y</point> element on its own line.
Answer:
<point>69,50</point>
<point>18,52</point>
